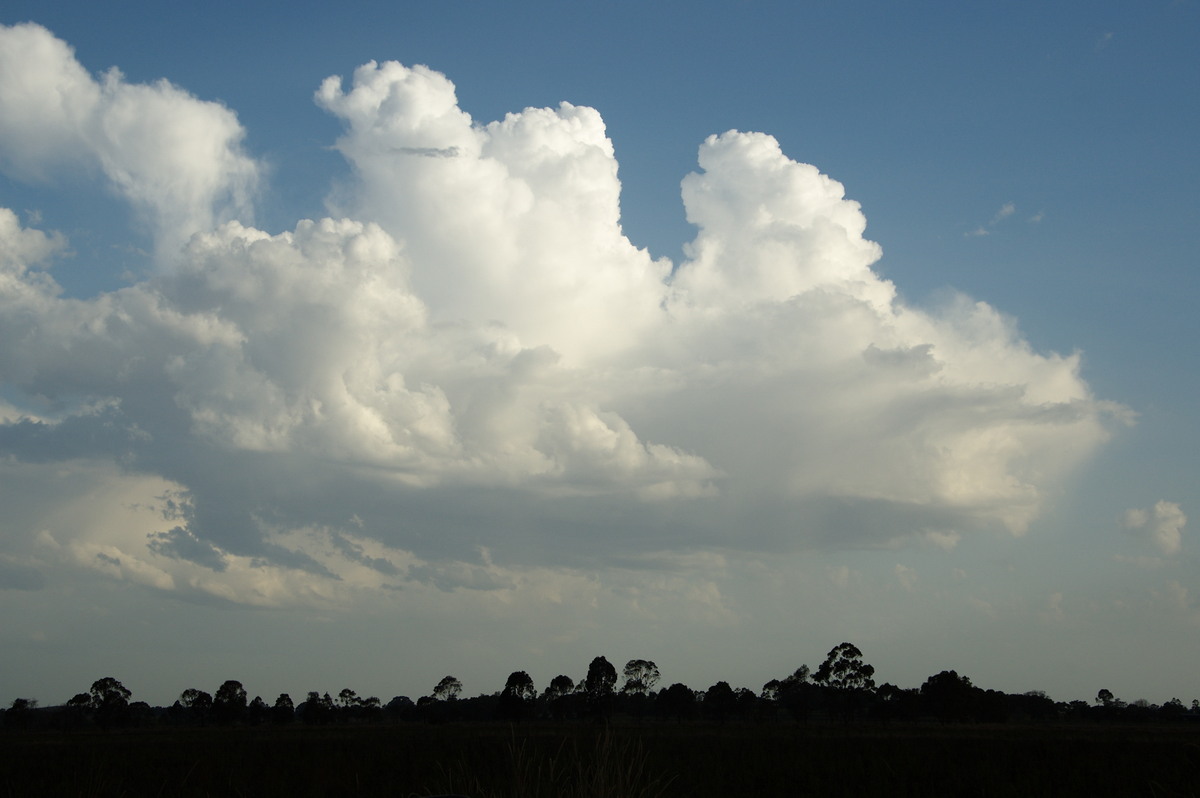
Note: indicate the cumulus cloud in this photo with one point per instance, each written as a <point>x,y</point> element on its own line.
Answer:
<point>1161,525</point>
<point>178,160</point>
<point>473,357</point>
<point>516,220</point>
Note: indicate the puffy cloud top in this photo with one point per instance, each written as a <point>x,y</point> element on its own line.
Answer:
<point>474,349</point>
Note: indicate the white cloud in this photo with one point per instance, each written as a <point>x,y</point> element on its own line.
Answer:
<point>1162,525</point>
<point>516,220</point>
<point>480,355</point>
<point>177,159</point>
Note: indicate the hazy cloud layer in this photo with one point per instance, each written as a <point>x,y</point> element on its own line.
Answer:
<point>471,379</point>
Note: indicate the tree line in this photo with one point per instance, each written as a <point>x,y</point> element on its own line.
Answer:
<point>841,689</point>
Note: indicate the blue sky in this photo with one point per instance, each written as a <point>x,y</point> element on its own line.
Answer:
<point>484,424</point>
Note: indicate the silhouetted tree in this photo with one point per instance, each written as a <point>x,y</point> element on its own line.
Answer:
<point>1172,709</point>
<point>20,713</point>
<point>516,697</point>
<point>747,701</point>
<point>447,689</point>
<point>110,702</point>
<point>400,707</point>
<point>795,693</point>
<point>601,677</point>
<point>559,697</point>
<point>520,685</point>
<point>229,704</point>
<point>894,703</point>
<point>79,709</point>
<point>844,669</point>
<point>598,685</point>
<point>719,701</point>
<point>284,711</point>
<point>559,686</point>
<point>950,697</point>
<point>258,712</point>
<point>141,714</point>
<point>640,677</point>
<point>677,701</point>
<point>317,708</point>
<point>196,704</point>
<point>1032,705</point>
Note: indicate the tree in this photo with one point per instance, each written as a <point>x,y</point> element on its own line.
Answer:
<point>447,689</point>
<point>400,706</point>
<point>560,696</point>
<point>197,704</point>
<point>284,710</point>
<point>229,704</point>
<point>640,677</point>
<point>317,708</point>
<point>110,702</point>
<point>1173,708</point>
<point>798,677</point>
<point>516,696</point>
<point>844,669</point>
<point>258,711</point>
<point>598,686</point>
<point>1105,697</point>
<point>109,691</point>
<point>79,706</point>
<point>20,713</point>
<point>601,678</point>
<point>948,696</point>
<point>520,685</point>
<point>559,686</point>
<point>678,701</point>
<point>719,701</point>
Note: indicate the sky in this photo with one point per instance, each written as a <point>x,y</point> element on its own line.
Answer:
<point>354,347</point>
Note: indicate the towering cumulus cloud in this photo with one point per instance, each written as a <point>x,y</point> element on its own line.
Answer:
<point>516,220</point>
<point>477,358</point>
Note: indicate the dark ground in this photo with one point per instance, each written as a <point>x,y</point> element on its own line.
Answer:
<point>628,760</point>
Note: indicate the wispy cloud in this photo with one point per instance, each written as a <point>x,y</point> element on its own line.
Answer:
<point>1006,210</point>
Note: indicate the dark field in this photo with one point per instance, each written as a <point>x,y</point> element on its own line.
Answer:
<point>650,759</point>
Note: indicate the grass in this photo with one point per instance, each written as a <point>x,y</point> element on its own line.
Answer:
<point>651,760</point>
<point>608,765</point>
